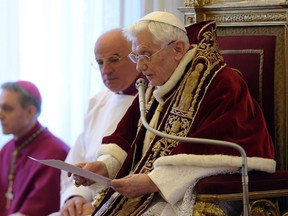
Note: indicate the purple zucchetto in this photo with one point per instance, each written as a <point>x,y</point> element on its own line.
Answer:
<point>31,88</point>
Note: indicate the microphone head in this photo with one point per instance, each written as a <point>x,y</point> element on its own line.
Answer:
<point>140,82</point>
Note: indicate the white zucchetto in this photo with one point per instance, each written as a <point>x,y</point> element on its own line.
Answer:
<point>164,17</point>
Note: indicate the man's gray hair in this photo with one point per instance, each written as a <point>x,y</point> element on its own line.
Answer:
<point>162,33</point>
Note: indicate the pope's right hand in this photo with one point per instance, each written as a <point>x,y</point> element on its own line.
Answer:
<point>95,166</point>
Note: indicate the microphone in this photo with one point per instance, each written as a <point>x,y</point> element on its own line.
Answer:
<point>141,85</point>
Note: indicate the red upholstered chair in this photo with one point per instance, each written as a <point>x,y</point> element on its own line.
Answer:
<point>254,57</point>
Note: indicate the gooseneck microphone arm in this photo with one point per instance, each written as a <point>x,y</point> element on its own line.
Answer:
<point>141,85</point>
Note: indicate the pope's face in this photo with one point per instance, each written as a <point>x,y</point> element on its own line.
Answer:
<point>161,62</point>
<point>14,119</point>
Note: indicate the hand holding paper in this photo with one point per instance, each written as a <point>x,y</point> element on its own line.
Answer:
<point>95,167</point>
<point>58,164</point>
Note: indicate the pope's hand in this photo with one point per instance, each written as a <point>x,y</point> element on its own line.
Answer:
<point>134,185</point>
<point>96,167</point>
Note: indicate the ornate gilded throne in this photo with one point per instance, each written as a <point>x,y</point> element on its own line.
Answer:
<point>253,38</point>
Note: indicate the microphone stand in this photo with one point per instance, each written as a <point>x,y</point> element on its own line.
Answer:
<point>141,85</point>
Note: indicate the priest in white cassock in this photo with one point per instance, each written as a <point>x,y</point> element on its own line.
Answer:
<point>105,110</point>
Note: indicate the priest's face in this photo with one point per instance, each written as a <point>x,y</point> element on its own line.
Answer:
<point>156,61</point>
<point>14,118</point>
<point>111,51</point>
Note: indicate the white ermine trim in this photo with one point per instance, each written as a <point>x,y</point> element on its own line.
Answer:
<point>254,163</point>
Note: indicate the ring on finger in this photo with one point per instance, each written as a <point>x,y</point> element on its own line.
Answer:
<point>77,184</point>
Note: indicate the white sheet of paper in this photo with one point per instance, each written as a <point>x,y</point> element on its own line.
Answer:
<point>58,164</point>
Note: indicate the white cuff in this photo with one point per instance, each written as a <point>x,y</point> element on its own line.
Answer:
<point>112,164</point>
<point>114,150</point>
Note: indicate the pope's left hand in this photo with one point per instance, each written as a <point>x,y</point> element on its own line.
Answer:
<point>134,185</point>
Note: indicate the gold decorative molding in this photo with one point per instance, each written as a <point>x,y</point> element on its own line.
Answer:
<point>261,207</point>
<point>196,3</point>
<point>207,208</point>
<point>236,12</point>
<point>249,17</point>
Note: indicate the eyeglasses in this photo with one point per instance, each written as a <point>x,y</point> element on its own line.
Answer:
<point>113,59</point>
<point>135,58</point>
